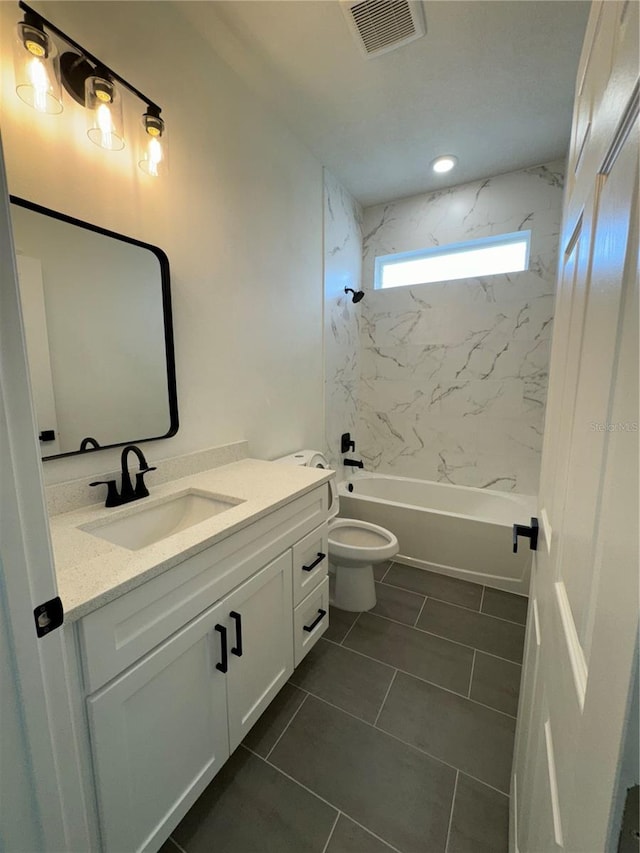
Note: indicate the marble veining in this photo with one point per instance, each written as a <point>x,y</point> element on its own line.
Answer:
<point>343,268</point>
<point>453,375</point>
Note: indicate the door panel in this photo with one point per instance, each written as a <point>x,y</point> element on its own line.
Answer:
<point>579,665</point>
<point>159,735</point>
<point>264,608</point>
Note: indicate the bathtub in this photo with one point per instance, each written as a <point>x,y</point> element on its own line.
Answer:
<point>455,530</point>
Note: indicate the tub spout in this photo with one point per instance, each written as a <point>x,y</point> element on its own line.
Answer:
<point>353,463</point>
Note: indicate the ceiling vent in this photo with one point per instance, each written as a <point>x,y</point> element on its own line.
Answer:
<point>380,26</point>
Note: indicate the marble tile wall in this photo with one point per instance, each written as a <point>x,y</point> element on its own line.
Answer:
<point>342,268</point>
<point>453,376</point>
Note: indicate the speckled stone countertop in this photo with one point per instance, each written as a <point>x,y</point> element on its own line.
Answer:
<point>92,571</point>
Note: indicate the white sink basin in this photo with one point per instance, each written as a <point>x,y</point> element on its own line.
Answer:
<point>154,522</point>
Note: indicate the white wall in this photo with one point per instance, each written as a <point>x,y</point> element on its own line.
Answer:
<point>454,375</point>
<point>240,217</point>
<point>342,268</point>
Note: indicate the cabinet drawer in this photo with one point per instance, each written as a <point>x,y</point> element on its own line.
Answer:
<point>310,562</point>
<point>312,614</point>
<point>120,633</point>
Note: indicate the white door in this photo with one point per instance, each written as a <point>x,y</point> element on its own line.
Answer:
<point>159,735</point>
<point>34,671</point>
<point>583,621</point>
<point>259,618</point>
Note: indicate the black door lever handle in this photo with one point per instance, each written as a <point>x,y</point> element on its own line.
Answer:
<point>530,532</point>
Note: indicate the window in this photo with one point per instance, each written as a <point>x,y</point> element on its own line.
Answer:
<point>487,256</point>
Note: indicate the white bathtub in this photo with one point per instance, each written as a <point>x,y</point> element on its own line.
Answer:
<point>455,530</point>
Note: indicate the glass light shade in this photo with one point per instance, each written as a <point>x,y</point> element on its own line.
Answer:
<point>37,70</point>
<point>104,113</point>
<point>154,152</point>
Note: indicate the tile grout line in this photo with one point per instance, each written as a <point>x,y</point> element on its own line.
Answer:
<point>473,664</point>
<point>428,595</point>
<point>386,573</point>
<point>293,716</point>
<point>418,678</point>
<point>386,696</point>
<point>453,803</point>
<point>324,800</point>
<point>439,636</point>
<point>399,740</point>
<point>328,841</point>
<point>420,612</point>
<point>173,841</point>
<point>341,643</point>
<point>402,589</point>
<point>461,606</point>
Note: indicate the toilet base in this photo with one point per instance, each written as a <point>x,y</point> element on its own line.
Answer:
<point>353,587</point>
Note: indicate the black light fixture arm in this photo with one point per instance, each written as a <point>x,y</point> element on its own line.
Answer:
<point>98,63</point>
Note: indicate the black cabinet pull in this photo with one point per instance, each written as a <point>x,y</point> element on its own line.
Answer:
<point>237,649</point>
<point>530,532</point>
<point>318,559</point>
<point>321,614</point>
<point>223,666</point>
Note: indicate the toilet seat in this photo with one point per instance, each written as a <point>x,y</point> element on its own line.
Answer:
<point>360,541</point>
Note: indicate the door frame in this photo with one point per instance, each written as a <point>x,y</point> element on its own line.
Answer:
<point>27,579</point>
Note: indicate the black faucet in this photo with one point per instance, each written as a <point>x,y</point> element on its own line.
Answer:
<point>88,443</point>
<point>127,491</point>
<point>353,463</point>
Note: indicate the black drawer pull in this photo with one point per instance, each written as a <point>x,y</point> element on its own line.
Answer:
<point>237,649</point>
<point>318,559</point>
<point>321,614</point>
<point>223,666</point>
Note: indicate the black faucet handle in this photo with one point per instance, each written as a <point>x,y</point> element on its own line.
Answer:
<point>113,498</point>
<point>141,490</point>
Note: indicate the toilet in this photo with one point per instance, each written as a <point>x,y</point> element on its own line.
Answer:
<point>354,546</point>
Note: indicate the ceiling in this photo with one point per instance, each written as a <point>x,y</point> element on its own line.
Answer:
<point>491,82</point>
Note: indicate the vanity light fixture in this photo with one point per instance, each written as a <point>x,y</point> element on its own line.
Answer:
<point>154,143</point>
<point>89,82</point>
<point>444,164</point>
<point>37,66</point>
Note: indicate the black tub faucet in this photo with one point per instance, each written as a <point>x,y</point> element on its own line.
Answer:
<point>353,463</point>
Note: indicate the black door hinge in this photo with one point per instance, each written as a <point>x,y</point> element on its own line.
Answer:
<point>48,616</point>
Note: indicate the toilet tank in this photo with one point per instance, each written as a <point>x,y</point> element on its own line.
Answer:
<point>315,459</point>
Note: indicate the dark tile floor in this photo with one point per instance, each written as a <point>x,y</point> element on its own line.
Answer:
<point>395,733</point>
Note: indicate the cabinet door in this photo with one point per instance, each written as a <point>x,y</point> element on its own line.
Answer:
<point>260,613</point>
<point>159,735</point>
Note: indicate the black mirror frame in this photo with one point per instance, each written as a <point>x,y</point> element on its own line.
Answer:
<point>163,260</point>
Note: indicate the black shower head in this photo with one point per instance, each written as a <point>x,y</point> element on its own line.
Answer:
<point>357,294</point>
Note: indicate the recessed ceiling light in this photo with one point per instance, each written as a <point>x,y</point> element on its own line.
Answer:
<point>444,164</point>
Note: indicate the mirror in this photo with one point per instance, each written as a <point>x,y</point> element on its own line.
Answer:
<point>97,315</point>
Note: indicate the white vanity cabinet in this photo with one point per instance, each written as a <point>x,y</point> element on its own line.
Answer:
<point>178,670</point>
<point>162,730</point>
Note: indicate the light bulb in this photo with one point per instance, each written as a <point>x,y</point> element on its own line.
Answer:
<point>444,164</point>
<point>153,143</point>
<point>39,79</point>
<point>105,125</point>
